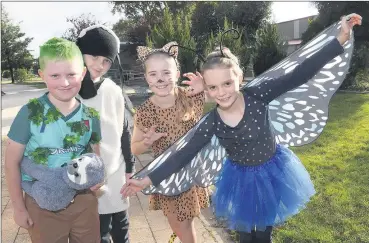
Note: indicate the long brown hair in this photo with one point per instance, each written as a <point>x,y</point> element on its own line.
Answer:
<point>183,104</point>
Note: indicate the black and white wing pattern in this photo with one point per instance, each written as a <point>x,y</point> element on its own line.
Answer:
<point>203,170</point>
<point>299,115</point>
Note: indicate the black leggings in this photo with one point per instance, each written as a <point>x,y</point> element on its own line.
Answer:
<point>256,236</point>
<point>114,225</point>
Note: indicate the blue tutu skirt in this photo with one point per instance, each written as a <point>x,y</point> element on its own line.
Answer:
<point>253,197</point>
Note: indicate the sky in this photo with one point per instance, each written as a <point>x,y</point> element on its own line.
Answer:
<point>48,19</point>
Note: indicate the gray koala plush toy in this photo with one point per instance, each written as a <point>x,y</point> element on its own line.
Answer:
<point>55,188</point>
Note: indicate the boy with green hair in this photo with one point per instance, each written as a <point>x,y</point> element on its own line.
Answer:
<point>51,130</point>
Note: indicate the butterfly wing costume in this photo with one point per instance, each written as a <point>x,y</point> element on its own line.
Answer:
<point>259,181</point>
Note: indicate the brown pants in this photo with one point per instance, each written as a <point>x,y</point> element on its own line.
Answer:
<point>79,222</point>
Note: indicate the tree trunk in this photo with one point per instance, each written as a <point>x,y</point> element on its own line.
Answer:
<point>11,69</point>
<point>12,74</point>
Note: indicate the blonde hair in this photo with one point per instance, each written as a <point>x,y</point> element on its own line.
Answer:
<point>183,104</point>
<point>216,60</point>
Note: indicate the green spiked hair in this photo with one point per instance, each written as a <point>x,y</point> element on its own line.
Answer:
<point>58,49</point>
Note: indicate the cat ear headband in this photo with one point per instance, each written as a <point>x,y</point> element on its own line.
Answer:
<point>144,51</point>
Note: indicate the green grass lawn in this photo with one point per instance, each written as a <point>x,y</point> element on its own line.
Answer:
<point>208,106</point>
<point>38,84</point>
<point>35,82</point>
<point>338,162</point>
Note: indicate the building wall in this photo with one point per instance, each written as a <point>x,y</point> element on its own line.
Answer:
<point>292,31</point>
<point>286,30</point>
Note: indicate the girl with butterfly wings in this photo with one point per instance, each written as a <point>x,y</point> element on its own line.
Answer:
<point>241,145</point>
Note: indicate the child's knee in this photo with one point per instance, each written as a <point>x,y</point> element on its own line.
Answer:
<point>186,225</point>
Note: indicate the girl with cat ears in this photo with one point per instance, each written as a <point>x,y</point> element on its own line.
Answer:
<point>168,114</point>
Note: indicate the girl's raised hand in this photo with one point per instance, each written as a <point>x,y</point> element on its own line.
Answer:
<point>347,23</point>
<point>196,82</point>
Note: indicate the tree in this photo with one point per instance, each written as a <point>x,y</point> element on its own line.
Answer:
<point>236,45</point>
<point>268,49</point>
<point>175,7</point>
<point>208,17</point>
<point>14,53</point>
<point>35,66</point>
<point>122,29</point>
<point>144,14</point>
<point>21,74</point>
<point>205,21</point>
<point>138,33</point>
<point>331,13</point>
<point>250,16</point>
<point>163,32</point>
<point>175,28</point>
<point>79,23</point>
<point>6,74</point>
<point>139,16</point>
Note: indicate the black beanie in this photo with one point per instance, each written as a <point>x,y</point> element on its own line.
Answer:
<point>97,40</point>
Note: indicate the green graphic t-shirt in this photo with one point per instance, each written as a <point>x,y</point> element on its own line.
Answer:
<point>51,138</point>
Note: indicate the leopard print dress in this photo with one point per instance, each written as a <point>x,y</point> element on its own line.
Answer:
<point>187,205</point>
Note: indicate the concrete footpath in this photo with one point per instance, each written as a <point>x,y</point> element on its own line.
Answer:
<point>7,117</point>
<point>145,226</point>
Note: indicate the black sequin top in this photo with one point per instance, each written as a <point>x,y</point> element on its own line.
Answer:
<point>251,141</point>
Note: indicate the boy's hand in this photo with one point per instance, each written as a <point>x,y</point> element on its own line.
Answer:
<point>22,218</point>
<point>196,82</point>
<point>96,187</point>
<point>151,136</point>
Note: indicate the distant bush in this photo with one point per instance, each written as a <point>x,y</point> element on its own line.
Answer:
<point>21,75</point>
